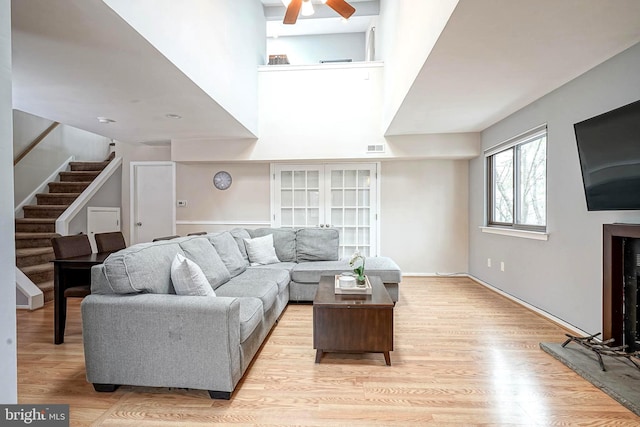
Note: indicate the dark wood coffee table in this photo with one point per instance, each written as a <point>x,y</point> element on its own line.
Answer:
<point>352,323</point>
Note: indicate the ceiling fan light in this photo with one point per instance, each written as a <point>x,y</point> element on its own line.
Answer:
<point>307,8</point>
<point>286,3</point>
<point>324,1</point>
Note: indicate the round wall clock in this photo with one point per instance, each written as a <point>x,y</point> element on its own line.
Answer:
<point>222,180</point>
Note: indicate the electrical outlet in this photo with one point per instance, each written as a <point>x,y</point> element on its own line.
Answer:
<point>488,262</point>
<point>501,265</point>
<point>182,203</point>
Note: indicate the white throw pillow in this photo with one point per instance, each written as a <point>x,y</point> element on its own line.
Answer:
<point>261,250</point>
<point>188,278</point>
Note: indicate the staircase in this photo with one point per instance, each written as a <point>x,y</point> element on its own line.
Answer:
<point>34,232</point>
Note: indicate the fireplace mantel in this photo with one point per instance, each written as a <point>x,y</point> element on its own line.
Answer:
<point>613,277</point>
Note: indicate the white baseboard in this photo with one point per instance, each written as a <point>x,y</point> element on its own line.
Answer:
<point>571,328</point>
<point>437,274</point>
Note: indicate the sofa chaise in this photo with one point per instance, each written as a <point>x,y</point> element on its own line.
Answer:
<point>137,331</point>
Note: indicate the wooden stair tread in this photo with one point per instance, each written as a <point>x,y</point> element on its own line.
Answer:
<point>34,251</point>
<point>37,268</point>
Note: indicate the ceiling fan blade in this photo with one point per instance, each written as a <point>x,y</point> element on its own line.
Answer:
<point>292,12</point>
<point>343,8</point>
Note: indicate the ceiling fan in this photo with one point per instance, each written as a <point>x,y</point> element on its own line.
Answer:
<point>343,8</point>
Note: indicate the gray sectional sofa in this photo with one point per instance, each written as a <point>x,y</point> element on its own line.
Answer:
<point>137,331</point>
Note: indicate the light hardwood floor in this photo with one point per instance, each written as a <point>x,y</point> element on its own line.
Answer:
<point>464,355</point>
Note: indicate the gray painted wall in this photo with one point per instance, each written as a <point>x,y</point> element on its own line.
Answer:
<point>8,361</point>
<point>563,275</point>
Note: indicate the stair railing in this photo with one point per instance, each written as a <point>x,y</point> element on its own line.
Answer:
<point>35,142</point>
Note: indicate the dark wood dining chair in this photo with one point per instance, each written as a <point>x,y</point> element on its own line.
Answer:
<point>75,285</point>
<point>110,242</point>
<point>157,239</point>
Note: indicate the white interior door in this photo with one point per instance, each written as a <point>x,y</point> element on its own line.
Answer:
<point>153,212</point>
<point>101,220</point>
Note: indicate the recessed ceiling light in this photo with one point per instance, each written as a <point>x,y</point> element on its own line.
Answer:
<point>172,116</point>
<point>105,120</point>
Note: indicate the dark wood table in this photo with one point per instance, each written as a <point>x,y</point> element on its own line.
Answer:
<point>63,269</point>
<point>352,323</point>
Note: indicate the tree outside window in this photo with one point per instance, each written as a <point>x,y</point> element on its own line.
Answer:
<point>517,183</point>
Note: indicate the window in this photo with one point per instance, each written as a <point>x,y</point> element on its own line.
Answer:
<point>517,182</point>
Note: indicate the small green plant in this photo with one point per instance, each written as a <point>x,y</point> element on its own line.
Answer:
<point>359,271</point>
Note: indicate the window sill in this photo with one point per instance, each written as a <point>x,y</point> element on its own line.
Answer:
<point>535,235</point>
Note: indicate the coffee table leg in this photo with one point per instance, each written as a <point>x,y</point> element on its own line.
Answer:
<point>387,358</point>
<point>318,355</point>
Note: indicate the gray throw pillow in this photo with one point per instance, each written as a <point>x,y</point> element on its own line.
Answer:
<point>227,248</point>
<point>201,251</point>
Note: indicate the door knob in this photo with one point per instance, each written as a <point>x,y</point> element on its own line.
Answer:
<point>139,224</point>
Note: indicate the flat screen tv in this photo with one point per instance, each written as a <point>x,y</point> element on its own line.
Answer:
<point>609,150</point>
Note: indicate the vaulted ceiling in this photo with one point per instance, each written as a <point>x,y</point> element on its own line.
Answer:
<point>75,60</point>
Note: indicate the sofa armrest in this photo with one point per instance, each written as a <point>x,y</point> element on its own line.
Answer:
<point>161,340</point>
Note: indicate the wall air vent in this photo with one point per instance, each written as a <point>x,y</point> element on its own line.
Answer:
<point>378,148</point>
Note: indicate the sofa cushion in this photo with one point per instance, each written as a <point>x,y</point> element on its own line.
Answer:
<point>251,314</point>
<point>270,272</point>
<point>145,267</point>
<point>188,278</point>
<point>246,286</point>
<point>310,272</point>
<point>317,244</point>
<point>261,250</point>
<point>284,241</point>
<point>201,251</point>
<point>228,250</point>
<point>239,234</point>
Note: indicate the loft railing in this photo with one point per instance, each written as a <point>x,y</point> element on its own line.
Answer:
<point>35,142</point>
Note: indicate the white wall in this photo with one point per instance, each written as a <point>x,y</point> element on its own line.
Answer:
<point>304,50</point>
<point>563,275</point>
<point>424,215</point>
<point>8,360</point>
<point>58,146</point>
<point>215,43</point>
<point>322,112</point>
<point>405,35</point>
